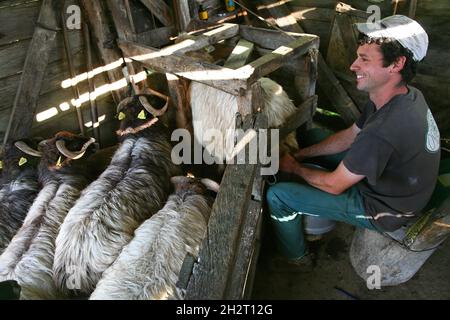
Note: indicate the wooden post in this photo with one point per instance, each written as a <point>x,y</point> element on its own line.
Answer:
<point>125,32</point>
<point>182,14</point>
<point>412,8</point>
<point>161,11</point>
<point>90,68</point>
<point>25,103</point>
<point>75,89</point>
<point>109,53</point>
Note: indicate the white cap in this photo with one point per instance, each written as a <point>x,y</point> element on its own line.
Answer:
<point>406,31</point>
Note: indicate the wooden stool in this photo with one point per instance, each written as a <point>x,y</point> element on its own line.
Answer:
<point>400,254</point>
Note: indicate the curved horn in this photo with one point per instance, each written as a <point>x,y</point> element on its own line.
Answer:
<point>150,91</point>
<point>151,109</point>
<point>74,155</point>
<point>178,179</point>
<point>22,146</point>
<point>123,103</point>
<point>210,184</point>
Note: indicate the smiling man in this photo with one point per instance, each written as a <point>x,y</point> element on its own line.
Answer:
<point>389,157</point>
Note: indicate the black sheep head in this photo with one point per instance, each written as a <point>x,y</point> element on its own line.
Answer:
<point>64,148</point>
<point>140,112</point>
<point>19,156</point>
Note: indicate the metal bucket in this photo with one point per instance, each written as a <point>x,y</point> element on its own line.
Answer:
<point>317,225</point>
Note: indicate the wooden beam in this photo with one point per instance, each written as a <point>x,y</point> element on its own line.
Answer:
<point>412,8</point>
<point>106,46</point>
<point>272,61</point>
<point>157,37</point>
<point>120,17</point>
<point>125,31</point>
<point>218,255</point>
<point>183,66</point>
<point>25,103</point>
<point>239,55</point>
<point>182,14</point>
<point>161,11</point>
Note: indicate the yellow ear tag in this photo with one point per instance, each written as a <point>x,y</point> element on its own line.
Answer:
<point>121,115</point>
<point>22,161</point>
<point>142,115</point>
<point>1,164</point>
<point>58,163</point>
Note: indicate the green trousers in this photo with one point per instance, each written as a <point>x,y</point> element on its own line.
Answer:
<point>288,202</point>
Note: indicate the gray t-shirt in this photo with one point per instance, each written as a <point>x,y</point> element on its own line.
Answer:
<point>398,150</point>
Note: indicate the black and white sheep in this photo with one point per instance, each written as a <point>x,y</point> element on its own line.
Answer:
<point>18,186</point>
<point>149,266</point>
<point>63,174</point>
<point>132,188</point>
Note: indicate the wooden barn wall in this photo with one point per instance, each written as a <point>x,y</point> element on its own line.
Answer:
<point>18,18</point>
<point>433,76</point>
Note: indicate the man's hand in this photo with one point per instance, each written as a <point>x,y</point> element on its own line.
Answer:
<point>288,164</point>
<point>298,155</point>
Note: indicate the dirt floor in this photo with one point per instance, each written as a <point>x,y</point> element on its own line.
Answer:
<point>333,277</point>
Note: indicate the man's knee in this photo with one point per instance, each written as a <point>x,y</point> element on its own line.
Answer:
<point>278,198</point>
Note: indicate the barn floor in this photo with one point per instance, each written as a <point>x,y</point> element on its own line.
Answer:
<point>333,274</point>
<point>333,277</point>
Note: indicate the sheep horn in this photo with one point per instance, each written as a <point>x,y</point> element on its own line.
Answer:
<point>211,185</point>
<point>151,109</point>
<point>178,179</point>
<point>123,103</point>
<point>74,155</point>
<point>22,146</point>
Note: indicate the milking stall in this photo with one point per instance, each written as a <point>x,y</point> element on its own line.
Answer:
<point>140,138</point>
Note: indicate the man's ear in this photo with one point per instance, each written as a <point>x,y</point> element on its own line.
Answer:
<point>398,64</point>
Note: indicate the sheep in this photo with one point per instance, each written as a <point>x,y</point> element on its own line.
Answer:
<point>132,188</point>
<point>63,174</point>
<point>149,265</point>
<point>19,186</point>
<point>215,109</point>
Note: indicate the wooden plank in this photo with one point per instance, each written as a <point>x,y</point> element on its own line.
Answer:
<point>227,79</point>
<point>304,113</point>
<point>210,37</point>
<point>247,253</point>
<point>239,55</point>
<point>13,56</point>
<point>119,14</point>
<point>104,39</point>
<point>13,31</point>
<point>412,9</point>
<point>161,11</point>
<point>266,38</point>
<point>218,254</point>
<point>272,61</point>
<point>27,94</point>
<point>349,38</point>
<point>157,37</point>
<point>178,97</point>
<point>312,13</point>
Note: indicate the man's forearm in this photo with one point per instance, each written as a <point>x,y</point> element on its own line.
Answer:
<point>336,143</point>
<point>316,178</point>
